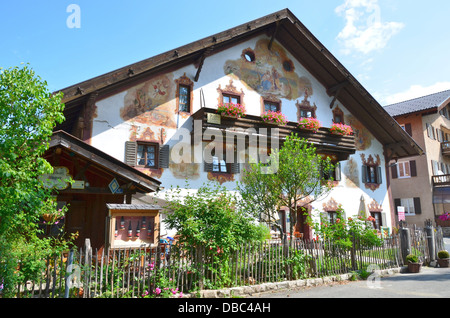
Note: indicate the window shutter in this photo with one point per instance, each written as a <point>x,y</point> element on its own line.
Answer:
<point>408,129</point>
<point>397,203</point>
<point>417,207</point>
<point>413,168</point>
<point>130,153</point>
<point>164,156</point>
<point>337,172</point>
<point>364,174</point>
<point>379,179</point>
<point>235,167</point>
<point>208,163</point>
<point>394,173</point>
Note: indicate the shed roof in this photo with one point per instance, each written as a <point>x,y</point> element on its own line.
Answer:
<point>428,102</point>
<point>140,181</point>
<point>284,27</point>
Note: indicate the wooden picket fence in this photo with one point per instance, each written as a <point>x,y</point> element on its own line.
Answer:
<point>136,272</point>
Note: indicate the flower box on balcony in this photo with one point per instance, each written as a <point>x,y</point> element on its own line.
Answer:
<point>276,118</point>
<point>231,110</point>
<point>341,129</point>
<point>309,124</point>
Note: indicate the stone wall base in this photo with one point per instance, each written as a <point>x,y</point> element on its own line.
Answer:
<point>251,290</point>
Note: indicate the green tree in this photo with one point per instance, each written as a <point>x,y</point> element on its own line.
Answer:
<point>296,172</point>
<point>210,217</point>
<point>28,114</point>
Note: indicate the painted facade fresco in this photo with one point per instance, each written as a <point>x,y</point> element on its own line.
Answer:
<point>151,103</point>
<point>363,138</point>
<point>269,71</point>
<point>149,113</point>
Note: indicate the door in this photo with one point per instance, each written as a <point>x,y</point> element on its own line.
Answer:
<point>76,221</point>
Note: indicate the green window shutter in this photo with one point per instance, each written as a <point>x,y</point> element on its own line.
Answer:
<point>379,178</point>
<point>235,167</point>
<point>164,156</point>
<point>364,174</point>
<point>130,153</point>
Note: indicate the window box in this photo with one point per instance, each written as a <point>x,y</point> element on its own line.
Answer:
<point>309,123</point>
<point>231,110</point>
<point>341,129</point>
<point>272,117</point>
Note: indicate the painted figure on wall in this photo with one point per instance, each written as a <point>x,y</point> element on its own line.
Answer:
<point>151,103</point>
<point>269,71</point>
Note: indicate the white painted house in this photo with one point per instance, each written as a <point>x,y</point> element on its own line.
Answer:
<point>140,113</point>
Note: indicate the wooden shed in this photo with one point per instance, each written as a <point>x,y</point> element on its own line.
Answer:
<point>97,180</point>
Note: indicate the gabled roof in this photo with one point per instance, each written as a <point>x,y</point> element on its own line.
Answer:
<point>425,103</point>
<point>140,181</point>
<point>296,38</point>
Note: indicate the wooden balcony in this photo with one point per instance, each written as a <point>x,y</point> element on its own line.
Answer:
<point>441,180</point>
<point>445,148</point>
<point>323,139</point>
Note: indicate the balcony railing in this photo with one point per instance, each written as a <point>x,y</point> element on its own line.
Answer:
<point>323,139</point>
<point>440,180</point>
<point>445,148</point>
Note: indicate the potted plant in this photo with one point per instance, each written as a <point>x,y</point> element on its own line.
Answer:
<point>443,258</point>
<point>309,124</point>
<point>413,263</point>
<point>341,129</point>
<point>231,110</point>
<point>271,117</point>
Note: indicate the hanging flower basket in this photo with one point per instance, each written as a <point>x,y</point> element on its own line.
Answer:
<point>231,110</point>
<point>341,129</point>
<point>276,118</point>
<point>309,124</point>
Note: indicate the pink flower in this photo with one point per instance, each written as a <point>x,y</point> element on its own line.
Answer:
<point>157,291</point>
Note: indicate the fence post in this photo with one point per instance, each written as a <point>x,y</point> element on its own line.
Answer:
<point>69,266</point>
<point>87,267</point>
<point>429,230</point>
<point>405,242</point>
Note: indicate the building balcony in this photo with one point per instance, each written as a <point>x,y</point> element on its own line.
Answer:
<point>445,148</point>
<point>324,141</point>
<point>441,180</point>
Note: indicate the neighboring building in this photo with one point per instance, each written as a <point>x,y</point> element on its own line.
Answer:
<point>421,184</point>
<point>142,113</point>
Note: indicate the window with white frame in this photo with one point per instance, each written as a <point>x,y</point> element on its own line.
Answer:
<point>403,169</point>
<point>408,203</point>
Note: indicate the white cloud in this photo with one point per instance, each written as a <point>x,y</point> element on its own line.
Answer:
<point>416,91</point>
<point>364,31</point>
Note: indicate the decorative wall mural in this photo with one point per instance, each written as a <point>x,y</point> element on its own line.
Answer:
<point>269,71</point>
<point>363,138</point>
<point>151,103</point>
<point>183,170</point>
<point>351,173</point>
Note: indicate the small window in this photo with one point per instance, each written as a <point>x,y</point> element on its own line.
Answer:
<point>332,216</point>
<point>272,106</point>
<point>377,221</point>
<point>408,203</point>
<point>146,155</point>
<point>219,165</point>
<point>371,174</point>
<point>227,98</point>
<point>184,98</point>
<point>403,169</point>
<point>307,113</point>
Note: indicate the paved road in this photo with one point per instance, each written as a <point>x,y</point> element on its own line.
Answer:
<point>429,283</point>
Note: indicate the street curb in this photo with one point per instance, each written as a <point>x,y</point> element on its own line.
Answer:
<point>251,290</point>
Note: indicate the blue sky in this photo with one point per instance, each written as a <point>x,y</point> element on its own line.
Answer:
<point>397,49</point>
